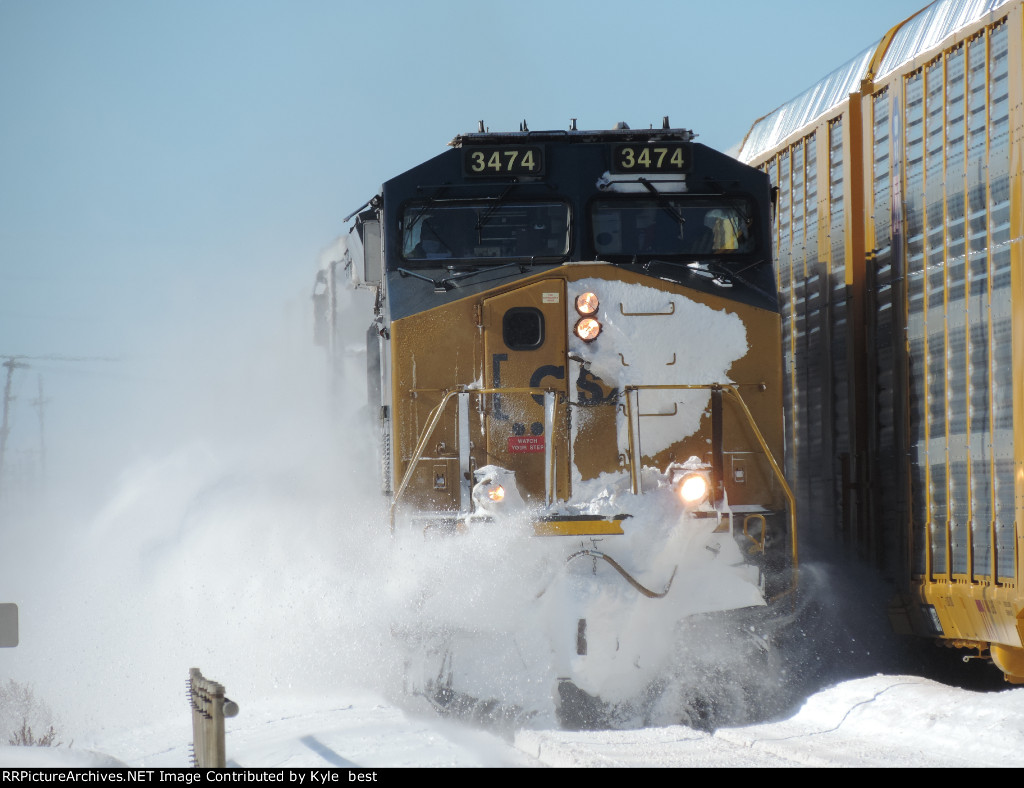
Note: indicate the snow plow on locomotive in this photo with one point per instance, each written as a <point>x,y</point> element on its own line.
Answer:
<point>575,348</point>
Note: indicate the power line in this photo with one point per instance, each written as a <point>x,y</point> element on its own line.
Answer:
<point>56,357</point>
<point>20,361</point>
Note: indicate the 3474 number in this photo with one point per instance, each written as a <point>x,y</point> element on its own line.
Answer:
<point>652,158</point>
<point>504,161</point>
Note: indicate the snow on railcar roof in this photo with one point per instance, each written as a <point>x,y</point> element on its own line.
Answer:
<point>814,102</point>
<point>924,31</point>
<point>930,27</point>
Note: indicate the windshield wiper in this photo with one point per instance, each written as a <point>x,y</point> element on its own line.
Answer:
<point>437,237</point>
<point>440,285</point>
<point>747,283</point>
<point>423,209</point>
<point>523,265</point>
<point>447,283</point>
<point>717,273</point>
<point>486,215</point>
<point>664,202</point>
<point>703,270</point>
<point>738,205</point>
<point>718,276</point>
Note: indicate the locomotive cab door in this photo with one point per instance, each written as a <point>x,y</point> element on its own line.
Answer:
<point>525,348</point>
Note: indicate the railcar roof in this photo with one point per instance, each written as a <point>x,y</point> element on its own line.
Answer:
<point>924,31</point>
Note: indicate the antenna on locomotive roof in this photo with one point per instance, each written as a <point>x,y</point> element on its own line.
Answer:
<point>480,127</point>
<point>522,126</point>
<point>572,124</point>
<point>664,122</point>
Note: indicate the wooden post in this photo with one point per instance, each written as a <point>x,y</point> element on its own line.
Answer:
<point>209,708</point>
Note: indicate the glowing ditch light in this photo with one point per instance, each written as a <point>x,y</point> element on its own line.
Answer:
<point>495,491</point>
<point>587,304</point>
<point>588,329</point>
<point>694,488</point>
<point>691,481</point>
<point>488,495</point>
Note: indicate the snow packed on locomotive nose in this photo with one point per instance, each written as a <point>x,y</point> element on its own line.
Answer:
<point>573,368</point>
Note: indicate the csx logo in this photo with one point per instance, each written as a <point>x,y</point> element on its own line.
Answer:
<point>590,389</point>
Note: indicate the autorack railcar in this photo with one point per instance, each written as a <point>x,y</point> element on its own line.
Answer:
<point>899,246</point>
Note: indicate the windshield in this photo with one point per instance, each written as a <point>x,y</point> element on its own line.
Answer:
<point>670,226</point>
<point>484,231</point>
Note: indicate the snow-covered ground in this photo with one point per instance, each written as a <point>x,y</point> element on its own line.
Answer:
<point>882,720</point>
<point>240,535</point>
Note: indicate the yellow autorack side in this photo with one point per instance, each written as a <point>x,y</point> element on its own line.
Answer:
<point>899,231</point>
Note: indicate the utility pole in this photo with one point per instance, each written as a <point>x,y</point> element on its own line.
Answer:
<point>11,363</point>
<point>39,403</point>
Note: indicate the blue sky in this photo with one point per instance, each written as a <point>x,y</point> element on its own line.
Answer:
<point>164,163</point>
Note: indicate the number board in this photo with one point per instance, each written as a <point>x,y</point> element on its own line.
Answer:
<point>491,161</point>
<point>646,157</point>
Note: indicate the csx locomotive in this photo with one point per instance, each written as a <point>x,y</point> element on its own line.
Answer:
<point>577,332</point>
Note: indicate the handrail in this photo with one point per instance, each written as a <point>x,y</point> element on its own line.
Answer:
<point>428,431</point>
<point>734,392</point>
<point>435,416</point>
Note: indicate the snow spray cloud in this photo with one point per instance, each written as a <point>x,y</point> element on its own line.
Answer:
<point>242,536</point>
<point>240,531</point>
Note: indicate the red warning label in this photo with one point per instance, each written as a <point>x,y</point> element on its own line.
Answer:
<point>525,444</point>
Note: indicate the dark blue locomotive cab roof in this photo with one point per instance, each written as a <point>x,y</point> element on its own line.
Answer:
<point>586,193</point>
<point>621,134</point>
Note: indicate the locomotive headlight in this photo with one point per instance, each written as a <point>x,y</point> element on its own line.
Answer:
<point>588,329</point>
<point>693,488</point>
<point>691,481</point>
<point>587,304</point>
<point>488,495</point>
<point>495,492</point>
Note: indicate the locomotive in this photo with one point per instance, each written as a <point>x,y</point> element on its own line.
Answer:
<point>575,340</point>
